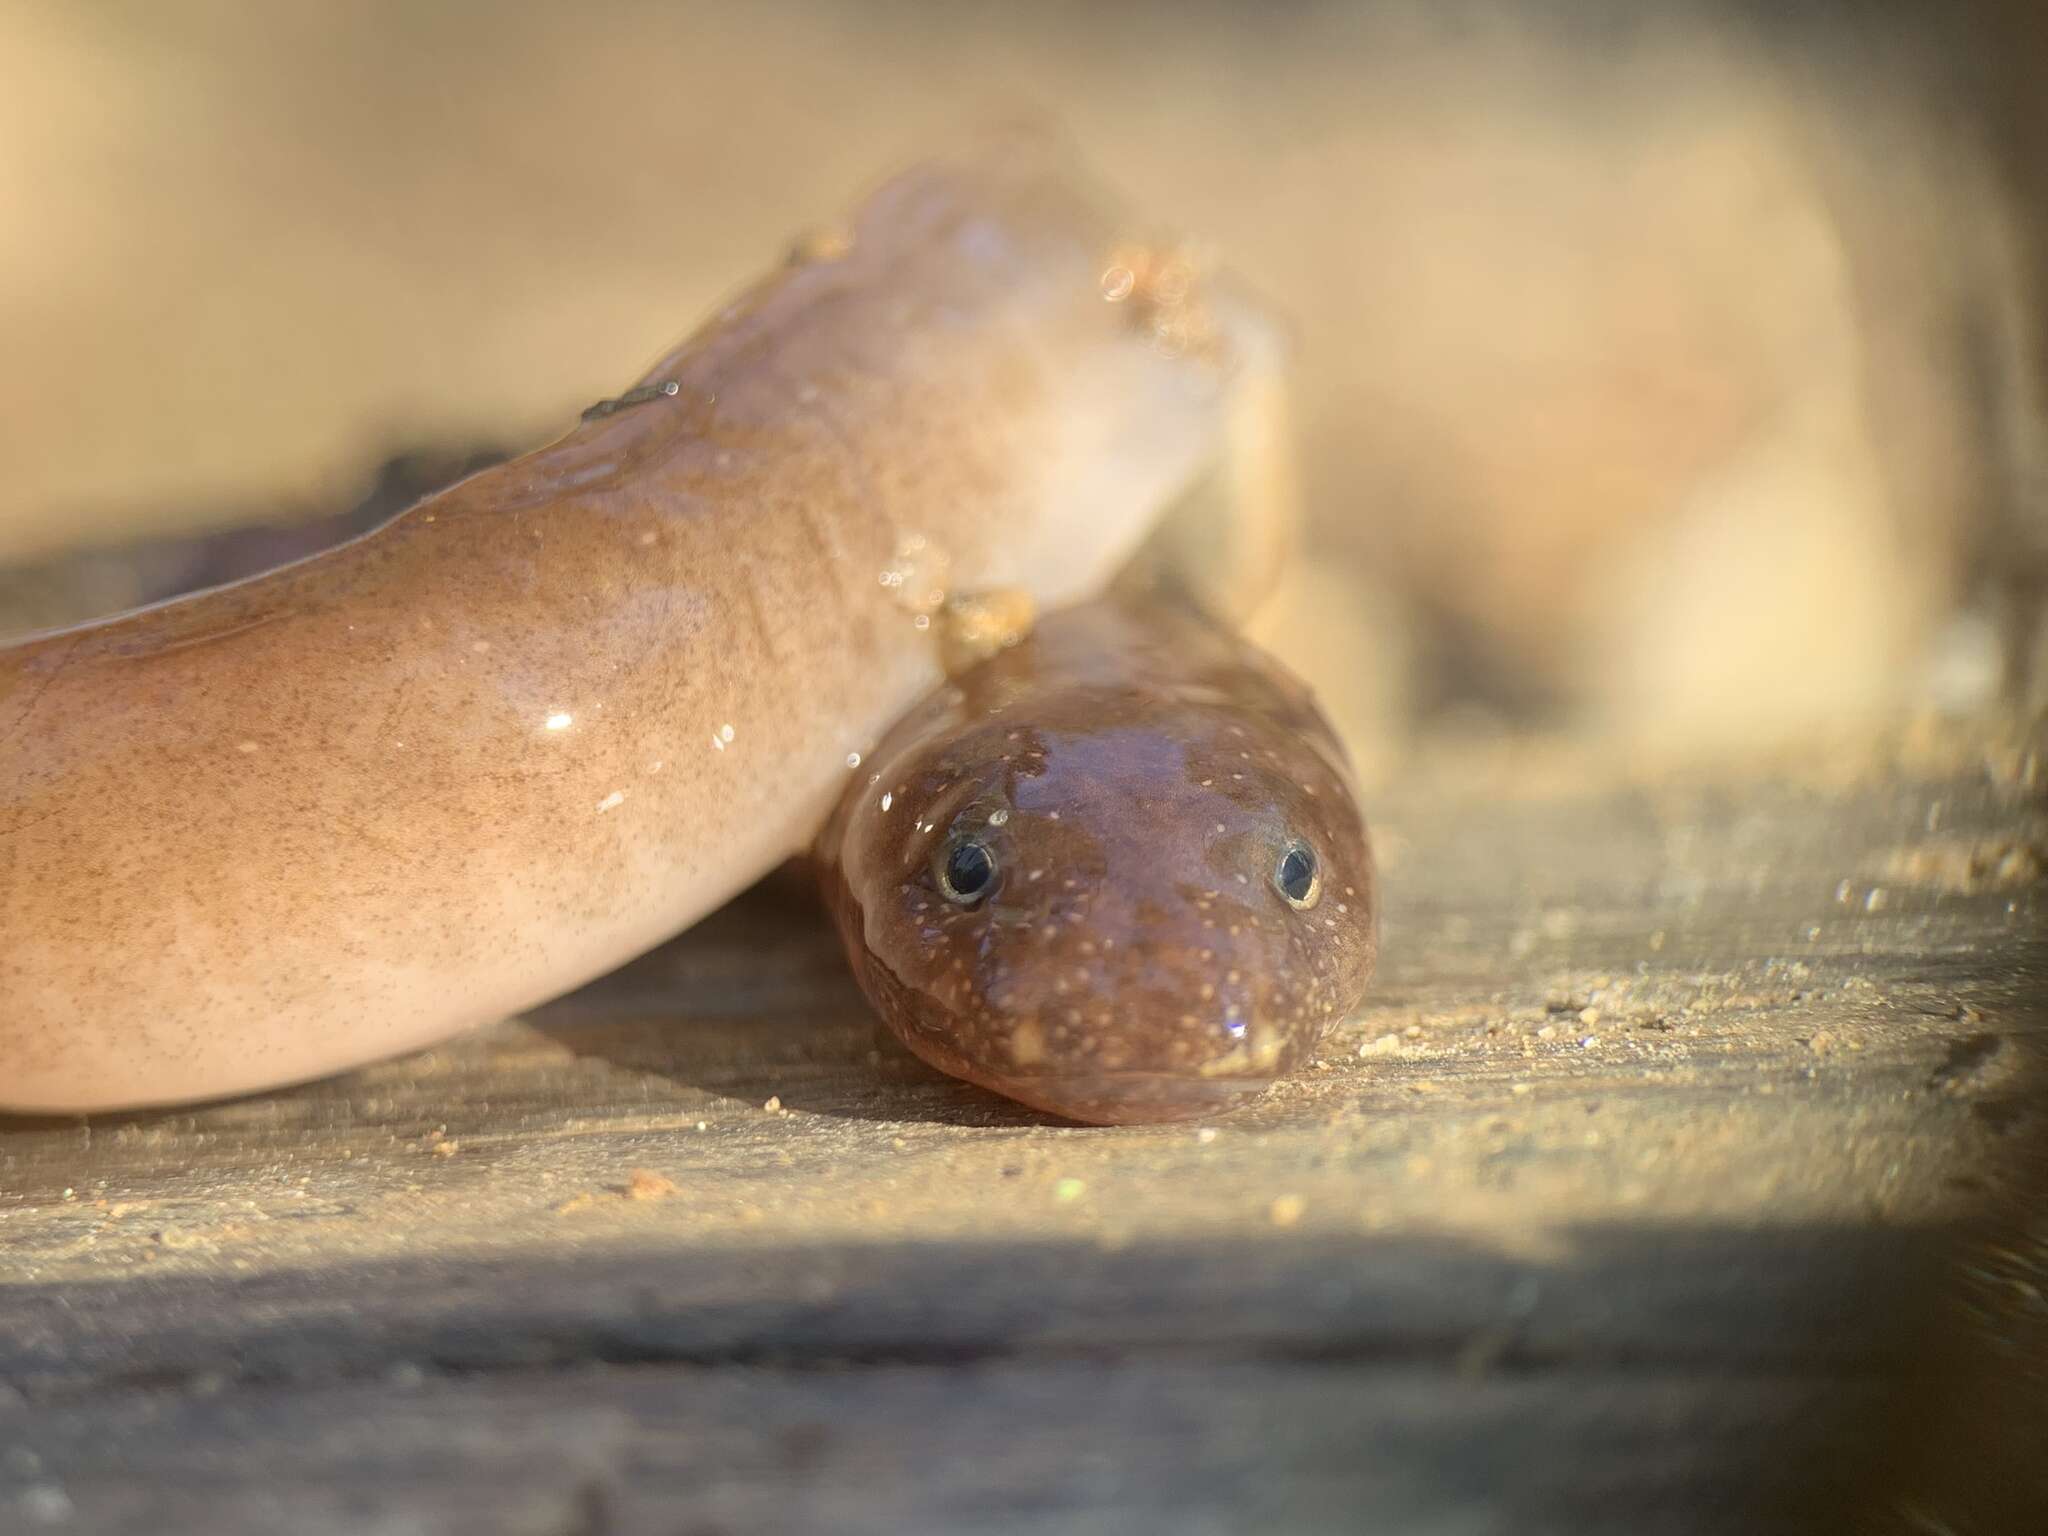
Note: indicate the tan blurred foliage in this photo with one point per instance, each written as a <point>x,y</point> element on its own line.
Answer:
<point>1673,373</point>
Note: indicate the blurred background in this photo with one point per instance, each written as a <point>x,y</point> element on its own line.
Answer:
<point>1673,373</point>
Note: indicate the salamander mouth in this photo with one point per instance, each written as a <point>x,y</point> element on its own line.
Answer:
<point>1122,1098</point>
<point>1093,1096</point>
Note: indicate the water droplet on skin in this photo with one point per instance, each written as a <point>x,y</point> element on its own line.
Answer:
<point>916,576</point>
<point>611,802</point>
<point>998,817</point>
<point>558,722</point>
<point>1117,282</point>
<point>887,799</point>
<point>725,733</point>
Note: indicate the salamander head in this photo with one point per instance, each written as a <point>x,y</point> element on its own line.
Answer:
<point>1145,904</point>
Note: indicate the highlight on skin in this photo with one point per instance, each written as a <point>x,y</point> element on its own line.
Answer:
<point>1117,873</point>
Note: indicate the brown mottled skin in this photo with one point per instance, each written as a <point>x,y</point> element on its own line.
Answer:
<point>553,715</point>
<point>1136,774</point>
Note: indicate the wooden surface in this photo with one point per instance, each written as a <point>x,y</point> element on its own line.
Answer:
<point>1680,1174</point>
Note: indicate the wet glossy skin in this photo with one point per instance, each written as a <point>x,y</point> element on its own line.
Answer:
<point>1135,778</point>
<point>553,715</point>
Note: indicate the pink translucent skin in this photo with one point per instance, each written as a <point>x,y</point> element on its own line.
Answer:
<point>553,715</point>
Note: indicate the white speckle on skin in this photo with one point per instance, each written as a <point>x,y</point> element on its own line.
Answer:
<point>612,801</point>
<point>247,746</point>
<point>479,646</point>
<point>725,733</point>
<point>558,722</point>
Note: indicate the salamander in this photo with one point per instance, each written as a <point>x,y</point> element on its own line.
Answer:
<point>1117,872</point>
<point>549,717</point>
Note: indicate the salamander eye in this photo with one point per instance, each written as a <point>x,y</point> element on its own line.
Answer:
<point>967,874</point>
<point>1298,877</point>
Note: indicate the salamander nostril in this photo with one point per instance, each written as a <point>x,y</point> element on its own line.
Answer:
<point>968,873</point>
<point>1298,877</point>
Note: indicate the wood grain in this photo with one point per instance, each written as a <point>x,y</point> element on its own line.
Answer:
<point>1648,1192</point>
